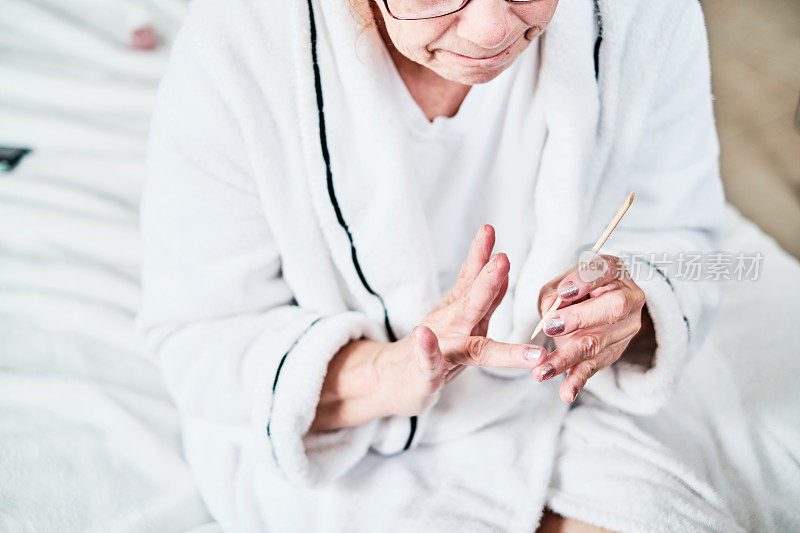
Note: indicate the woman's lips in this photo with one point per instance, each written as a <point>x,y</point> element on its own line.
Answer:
<point>496,59</point>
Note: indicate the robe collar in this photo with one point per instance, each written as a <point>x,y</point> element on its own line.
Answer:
<point>368,211</point>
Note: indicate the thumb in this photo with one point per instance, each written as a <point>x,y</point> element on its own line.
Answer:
<point>427,348</point>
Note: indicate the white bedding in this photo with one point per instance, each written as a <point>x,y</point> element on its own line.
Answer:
<point>89,440</point>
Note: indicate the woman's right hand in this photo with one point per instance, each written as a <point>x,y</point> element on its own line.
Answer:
<point>412,371</point>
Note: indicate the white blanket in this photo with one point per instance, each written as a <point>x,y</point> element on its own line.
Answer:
<point>88,437</point>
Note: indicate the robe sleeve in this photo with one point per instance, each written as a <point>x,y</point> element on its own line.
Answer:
<point>675,223</point>
<point>240,358</point>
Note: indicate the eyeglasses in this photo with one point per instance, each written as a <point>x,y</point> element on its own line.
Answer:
<point>428,9</point>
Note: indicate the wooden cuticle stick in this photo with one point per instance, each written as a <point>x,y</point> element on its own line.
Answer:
<point>596,248</point>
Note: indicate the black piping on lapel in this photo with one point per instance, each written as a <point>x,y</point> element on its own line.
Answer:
<point>323,139</point>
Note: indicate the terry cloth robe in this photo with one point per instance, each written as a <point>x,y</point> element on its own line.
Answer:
<point>265,253</point>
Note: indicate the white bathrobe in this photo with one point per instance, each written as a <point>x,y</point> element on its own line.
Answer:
<point>265,254</point>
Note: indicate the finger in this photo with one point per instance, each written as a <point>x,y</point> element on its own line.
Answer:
<point>548,292</point>
<point>600,270</point>
<point>473,350</point>
<point>547,295</point>
<point>578,375</point>
<point>453,373</point>
<point>546,301</point>
<point>479,253</point>
<point>582,345</point>
<point>483,325</point>
<point>614,285</point>
<point>473,304</point>
<point>610,307</point>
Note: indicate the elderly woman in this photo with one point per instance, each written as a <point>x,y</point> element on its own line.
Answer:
<point>328,180</point>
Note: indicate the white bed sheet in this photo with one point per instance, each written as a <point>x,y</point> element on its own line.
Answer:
<point>89,439</point>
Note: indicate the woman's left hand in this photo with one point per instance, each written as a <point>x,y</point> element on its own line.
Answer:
<point>594,323</point>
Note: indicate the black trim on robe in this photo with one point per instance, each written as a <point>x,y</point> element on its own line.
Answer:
<point>323,139</point>
<point>275,383</point>
<point>597,44</point>
<point>599,40</point>
<point>672,288</point>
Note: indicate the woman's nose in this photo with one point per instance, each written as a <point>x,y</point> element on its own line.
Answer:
<point>484,22</point>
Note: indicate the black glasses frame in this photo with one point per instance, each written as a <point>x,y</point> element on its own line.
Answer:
<point>463,5</point>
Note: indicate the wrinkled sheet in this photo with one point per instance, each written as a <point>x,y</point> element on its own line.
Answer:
<point>89,439</point>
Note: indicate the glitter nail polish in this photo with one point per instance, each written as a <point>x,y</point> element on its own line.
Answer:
<point>570,290</point>
<point>548,371</point>
<point>555,325</point>
<point>532,353</point>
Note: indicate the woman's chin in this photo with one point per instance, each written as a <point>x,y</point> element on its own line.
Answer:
<point>471,76</point>
<point>468,72</point>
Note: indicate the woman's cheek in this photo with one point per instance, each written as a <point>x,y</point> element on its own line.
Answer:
<point>539,15</point>
<point>413,38</point>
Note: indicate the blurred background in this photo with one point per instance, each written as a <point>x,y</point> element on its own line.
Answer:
<point>755,61</point>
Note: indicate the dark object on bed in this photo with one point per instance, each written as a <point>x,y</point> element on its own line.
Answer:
<point>10,157</point>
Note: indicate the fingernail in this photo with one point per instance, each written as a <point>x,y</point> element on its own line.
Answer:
<point>546,372</point>
<point>575,392</point>
<point>492,264</point>
<point>555,325</point>
<point>533,353</point>
<point>569,290</point>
